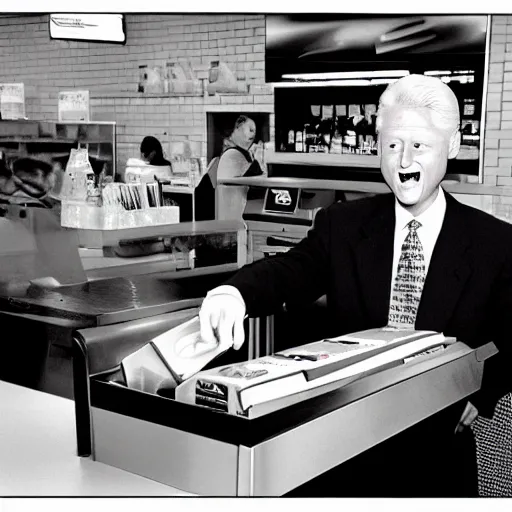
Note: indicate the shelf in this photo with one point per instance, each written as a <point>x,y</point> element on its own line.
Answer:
<point>95,238</point>
<point>141,95</point>
<point>158,267</point>
<point>129,94</point>
<point>50,140</point>
<point>308,184</point>
<point>169,189</point>
<point>331,160</point>
<point>324,159</point>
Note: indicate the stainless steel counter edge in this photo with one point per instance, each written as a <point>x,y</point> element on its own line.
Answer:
<point>376,408</point>
<point>361,186</point>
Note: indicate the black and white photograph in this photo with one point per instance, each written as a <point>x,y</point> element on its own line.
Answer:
<point>255,252</point>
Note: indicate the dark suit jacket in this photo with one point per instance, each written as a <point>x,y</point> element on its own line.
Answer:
<point>348,256</point>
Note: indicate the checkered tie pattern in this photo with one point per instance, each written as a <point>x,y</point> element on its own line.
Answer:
<point>409,281</point>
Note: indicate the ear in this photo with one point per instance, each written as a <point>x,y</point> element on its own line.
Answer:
<point>454,145</point>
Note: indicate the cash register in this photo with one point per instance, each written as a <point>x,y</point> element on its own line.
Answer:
<point>278,217</point>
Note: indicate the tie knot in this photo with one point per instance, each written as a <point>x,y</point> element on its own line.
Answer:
<point>413,225</point>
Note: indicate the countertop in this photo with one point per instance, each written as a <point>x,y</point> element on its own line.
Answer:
<point>451,186</point>
<point>113,300</point>
<point>38,453</point>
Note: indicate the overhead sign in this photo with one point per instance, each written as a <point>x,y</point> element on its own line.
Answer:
<point>12,101</point>
<point>74,106</point>
<point>88,27</point>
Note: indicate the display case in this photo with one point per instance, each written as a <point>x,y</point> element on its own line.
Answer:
<point>185,248</point>
<point>330,72</point>
<point>53,142</point>
<point>334,126</point>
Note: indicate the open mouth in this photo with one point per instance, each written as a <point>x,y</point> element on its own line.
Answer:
<point>406,176</point>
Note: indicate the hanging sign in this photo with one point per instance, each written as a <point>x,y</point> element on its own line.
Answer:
<point>12,101</point>
<point>74,106</point>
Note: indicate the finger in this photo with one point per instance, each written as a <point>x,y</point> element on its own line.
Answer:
<point>200,349</point>
<point>238,334</point>
<point>470,417</point>
<point>208,324</point>
<point>466,412</point>
<point>225,329</point>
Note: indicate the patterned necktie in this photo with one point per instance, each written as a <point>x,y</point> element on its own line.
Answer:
<point>409,281</point>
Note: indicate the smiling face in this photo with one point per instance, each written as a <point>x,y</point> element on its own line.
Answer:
<point>414,154</point>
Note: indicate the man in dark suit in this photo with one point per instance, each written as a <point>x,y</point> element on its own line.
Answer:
<point>459,282</point>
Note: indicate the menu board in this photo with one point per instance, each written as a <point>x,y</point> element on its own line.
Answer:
<point>74,106</point>
<point>12,101</point>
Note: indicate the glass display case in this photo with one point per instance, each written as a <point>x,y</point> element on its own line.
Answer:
<point>340,120</point>
<point>330,70</point>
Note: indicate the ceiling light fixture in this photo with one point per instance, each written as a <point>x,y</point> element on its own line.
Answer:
<point>347,74</point>
<point>437,73</point>
<point>328,83</point>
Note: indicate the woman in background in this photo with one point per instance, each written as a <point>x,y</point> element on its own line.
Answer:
<point>152,153</point>
<point>240,157</point>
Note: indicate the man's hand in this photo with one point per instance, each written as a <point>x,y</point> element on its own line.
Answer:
<point>222,317</point>
<point>468,416</point>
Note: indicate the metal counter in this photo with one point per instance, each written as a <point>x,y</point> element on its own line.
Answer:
<point>207,452</point>
<point>45,294</point>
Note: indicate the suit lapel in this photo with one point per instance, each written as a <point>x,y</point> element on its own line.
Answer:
<point>449,270</point>
<point>374,257</point>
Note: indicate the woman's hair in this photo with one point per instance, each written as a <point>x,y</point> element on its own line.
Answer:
<point>419,91</point>
<point>150,144</point>
<point>241,120</point>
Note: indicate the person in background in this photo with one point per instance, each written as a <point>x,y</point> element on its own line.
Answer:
<point>152,153</point>
<point>28,183</point>
<point>358,253</point>
<point>240,157</point>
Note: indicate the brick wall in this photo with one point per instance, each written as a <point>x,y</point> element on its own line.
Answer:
<point>111,73</point>
<point>498,134</point>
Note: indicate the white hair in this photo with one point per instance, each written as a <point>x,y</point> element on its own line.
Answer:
<point>420,91</point>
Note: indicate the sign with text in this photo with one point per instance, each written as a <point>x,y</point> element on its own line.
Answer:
<point>88,27</point>
<point>74,106</point>
<point>12,101</point>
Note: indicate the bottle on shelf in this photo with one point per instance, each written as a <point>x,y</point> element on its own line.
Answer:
<point>290,146</point>
<point>311,138</point>
<point>336,143</point>
<point>299,144</point>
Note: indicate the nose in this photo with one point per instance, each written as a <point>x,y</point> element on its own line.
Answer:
<point>406,158</point>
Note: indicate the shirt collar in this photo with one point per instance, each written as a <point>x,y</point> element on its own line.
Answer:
<point>433,215</point>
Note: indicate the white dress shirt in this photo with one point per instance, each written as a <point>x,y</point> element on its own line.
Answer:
<point>431,221</point>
